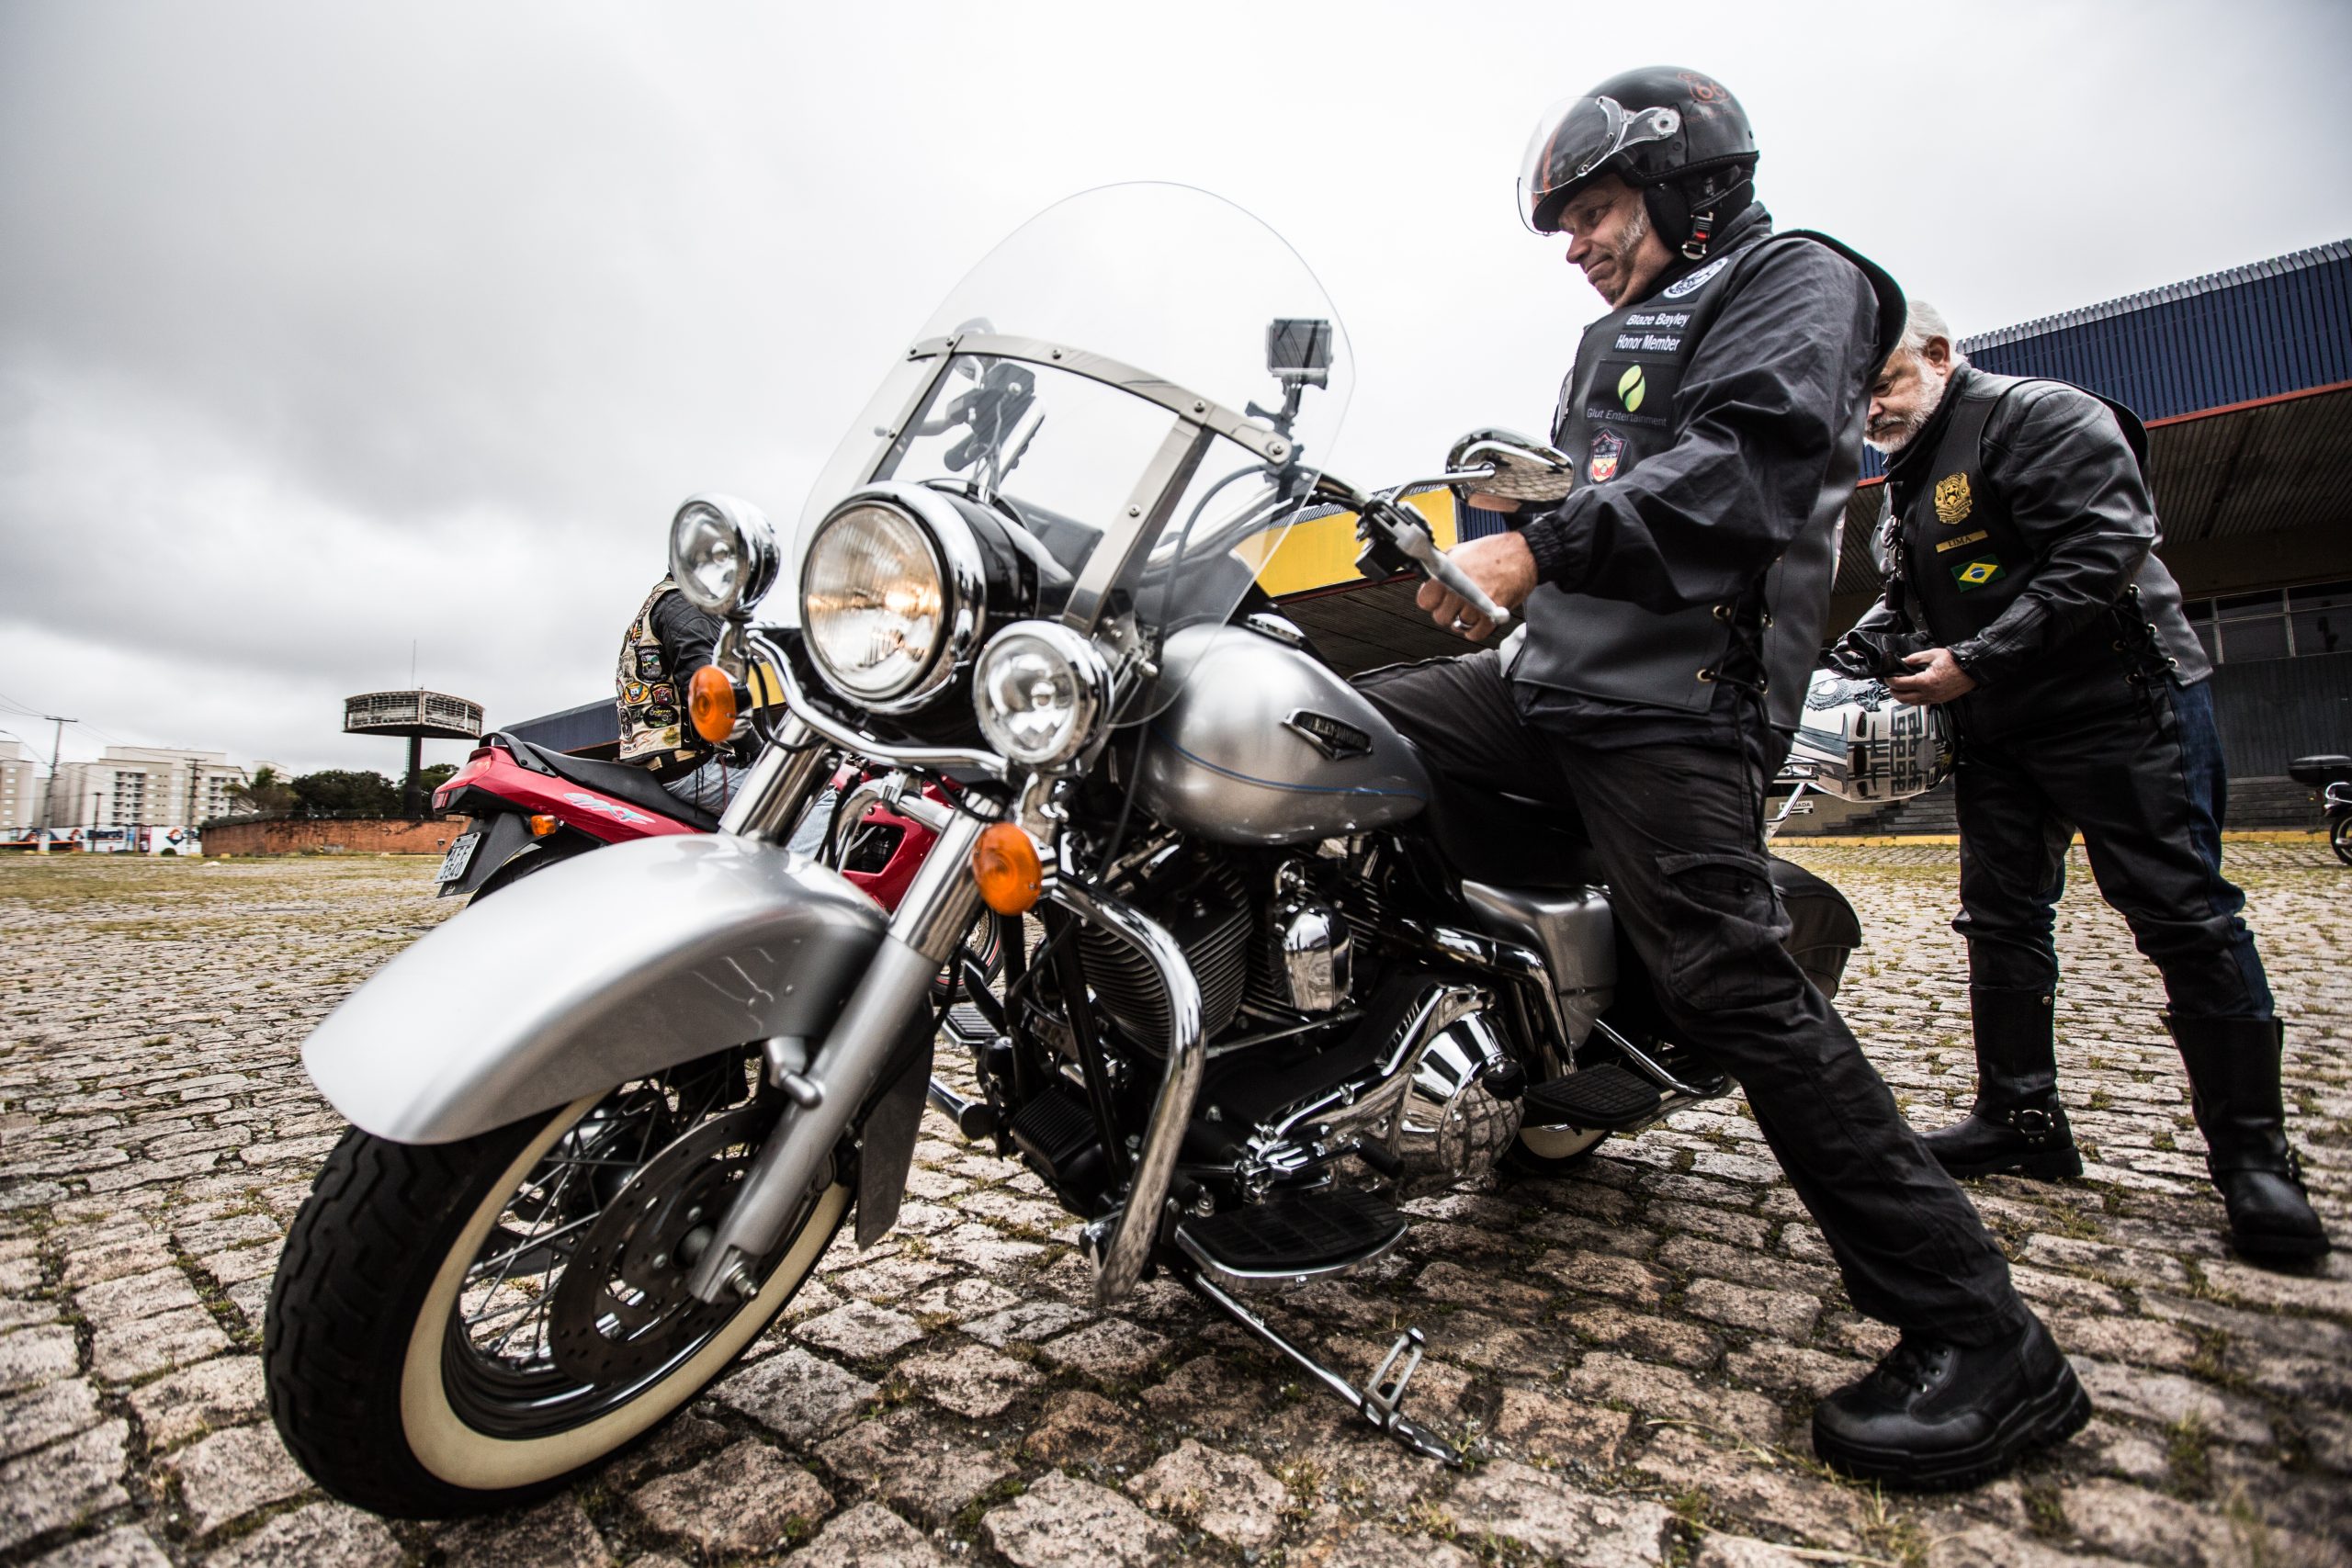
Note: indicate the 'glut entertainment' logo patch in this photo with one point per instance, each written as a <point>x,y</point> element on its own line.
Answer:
<point>1631,389</point>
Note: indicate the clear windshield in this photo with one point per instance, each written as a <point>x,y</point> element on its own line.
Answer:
<point>1212,306</point>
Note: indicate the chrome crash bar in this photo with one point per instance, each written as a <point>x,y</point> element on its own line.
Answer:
<point>1121,1242</point>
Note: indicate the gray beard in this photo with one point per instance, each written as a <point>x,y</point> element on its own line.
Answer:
<point>1635,232</point>
<point>1904,433</point>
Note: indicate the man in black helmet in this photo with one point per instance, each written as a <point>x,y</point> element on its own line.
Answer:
<point>2023,591</point>
<point>1674,605</point>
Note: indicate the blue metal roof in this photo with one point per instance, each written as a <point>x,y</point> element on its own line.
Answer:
<point>2259,331</point>
<point>2283,325</point>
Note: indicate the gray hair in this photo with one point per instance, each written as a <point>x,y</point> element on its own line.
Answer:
<point>1924,322</point>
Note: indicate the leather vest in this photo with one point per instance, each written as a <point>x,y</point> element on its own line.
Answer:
<point>652,709</point>
<point>1618,406</point>
<point>1959,560</point>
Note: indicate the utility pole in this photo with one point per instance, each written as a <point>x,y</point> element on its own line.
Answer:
<point>48,793</point>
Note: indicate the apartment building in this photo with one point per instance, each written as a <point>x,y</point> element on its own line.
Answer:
<point>132,787</point>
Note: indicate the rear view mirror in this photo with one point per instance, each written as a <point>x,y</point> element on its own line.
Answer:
<point>1504,463</point>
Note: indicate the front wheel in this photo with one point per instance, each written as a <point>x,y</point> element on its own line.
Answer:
<point>467,1327</point>
<point>2339,836</point>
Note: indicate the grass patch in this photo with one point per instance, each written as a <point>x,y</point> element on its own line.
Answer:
<point>2045,1512</point>
<point>2188,1455</point>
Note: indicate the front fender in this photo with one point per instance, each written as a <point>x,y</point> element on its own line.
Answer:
<point>608,966</point>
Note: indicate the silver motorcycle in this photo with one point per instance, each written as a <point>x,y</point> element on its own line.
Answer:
<point>1259,984</point>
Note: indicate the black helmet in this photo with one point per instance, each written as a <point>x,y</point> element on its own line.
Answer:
<point>1679,136</point>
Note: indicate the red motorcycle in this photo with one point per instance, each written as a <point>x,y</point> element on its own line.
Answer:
<point>532,806</point>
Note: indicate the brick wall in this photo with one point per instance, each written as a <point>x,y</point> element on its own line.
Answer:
<point>362,836</point>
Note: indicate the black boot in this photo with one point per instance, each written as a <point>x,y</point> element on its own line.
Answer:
<point>1933,1415</point>
<point>2017,1123</point>
<point>2234,1083</point>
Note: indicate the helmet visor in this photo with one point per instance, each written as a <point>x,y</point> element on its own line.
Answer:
<point>1573,141</point>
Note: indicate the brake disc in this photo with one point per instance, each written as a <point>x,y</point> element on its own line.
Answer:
<point>622,1308</point>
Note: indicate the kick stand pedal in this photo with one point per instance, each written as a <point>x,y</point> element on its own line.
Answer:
<point>1377,1405</point>
<point>1607,1097</point>
<point>1284,1240</point>
<point>1384,1393</point>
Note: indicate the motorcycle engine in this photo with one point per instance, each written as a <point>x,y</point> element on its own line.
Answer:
<point>1462,1111</point>
<point>1290,953</point>
<point>1202,905</point>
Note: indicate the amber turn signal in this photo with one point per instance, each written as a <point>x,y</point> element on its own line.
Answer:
<point>711,701</point>
<point>1005,863</point>
<point>541,825</point>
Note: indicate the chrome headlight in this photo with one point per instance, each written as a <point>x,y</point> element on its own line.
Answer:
<point>722,552</point>
<point>890,595</point>
<point>1040,691</point>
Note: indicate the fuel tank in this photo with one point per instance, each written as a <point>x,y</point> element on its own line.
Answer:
<point>1264,746</point>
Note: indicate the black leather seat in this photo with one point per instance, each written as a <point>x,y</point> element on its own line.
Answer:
<point>619,779</point>
<point>1510,842</point>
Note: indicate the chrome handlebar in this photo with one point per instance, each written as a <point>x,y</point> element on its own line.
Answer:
<point>939,759</point>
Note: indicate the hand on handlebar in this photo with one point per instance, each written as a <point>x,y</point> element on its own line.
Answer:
<point>1499,567</point>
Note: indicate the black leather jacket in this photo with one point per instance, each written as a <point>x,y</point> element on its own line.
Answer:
<point>2073,632</point>
<point>1694,557</point>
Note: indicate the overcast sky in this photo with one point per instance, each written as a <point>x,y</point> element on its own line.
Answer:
<point>327,328</point>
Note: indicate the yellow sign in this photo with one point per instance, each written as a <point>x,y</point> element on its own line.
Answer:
<point>1952,500</point>
<point>1321,552</point>
<point>1967,538</point>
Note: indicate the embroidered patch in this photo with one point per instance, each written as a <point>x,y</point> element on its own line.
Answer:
<point>1696,280</point>
<point>1607,447</point>
<point>1977,573</point>
<point>1952,500</point>
<point>1630,387</point>
<point>1968,538</point>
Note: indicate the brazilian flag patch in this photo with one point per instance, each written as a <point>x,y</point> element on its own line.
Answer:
<point>1978,572</point>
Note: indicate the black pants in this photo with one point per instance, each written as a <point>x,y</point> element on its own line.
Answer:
<point>1678,829</point>
<point>2145,784</point>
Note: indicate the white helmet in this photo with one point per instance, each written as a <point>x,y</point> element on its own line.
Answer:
<point>1855,742</point>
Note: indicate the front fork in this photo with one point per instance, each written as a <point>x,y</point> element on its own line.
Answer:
<point>827,1086</point>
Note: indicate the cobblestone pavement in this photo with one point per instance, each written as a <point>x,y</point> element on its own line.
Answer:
<point>1635,1349</point>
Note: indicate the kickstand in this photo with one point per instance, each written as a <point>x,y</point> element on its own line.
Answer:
<point>1378,1404</point>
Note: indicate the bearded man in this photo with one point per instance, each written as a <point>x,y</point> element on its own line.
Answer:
<point>2023,591</point>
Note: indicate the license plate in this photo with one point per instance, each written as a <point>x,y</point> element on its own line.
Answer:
<point>460,855</point>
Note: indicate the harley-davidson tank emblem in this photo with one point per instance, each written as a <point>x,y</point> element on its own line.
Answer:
<point>1336,738</point>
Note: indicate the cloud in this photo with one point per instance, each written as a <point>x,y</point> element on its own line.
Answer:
<point>322,329</point>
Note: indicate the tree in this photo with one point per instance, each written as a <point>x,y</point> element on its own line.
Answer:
<point>434,777</point>
<point>339,790</point>
<point>264,793</point>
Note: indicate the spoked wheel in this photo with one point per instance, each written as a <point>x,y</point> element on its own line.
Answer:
<point>984,944</point>
<point>2339,836</point>
<point>465,1326</point>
